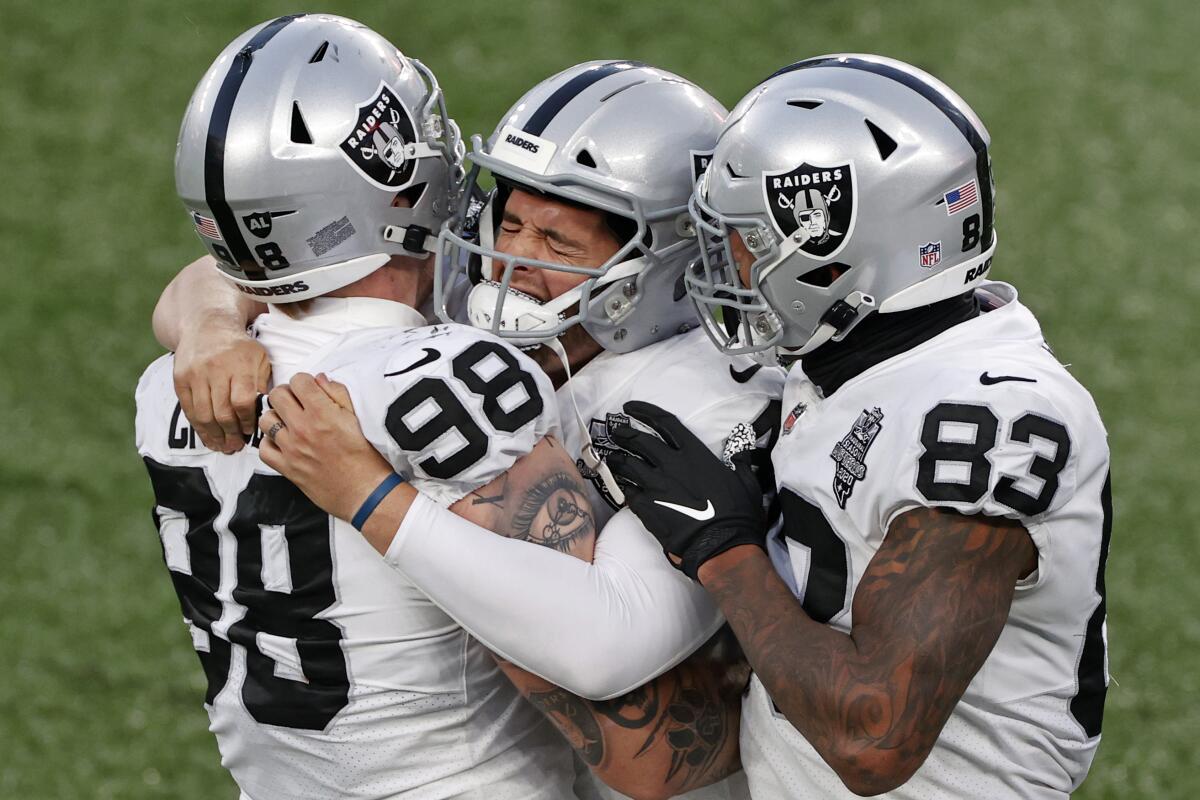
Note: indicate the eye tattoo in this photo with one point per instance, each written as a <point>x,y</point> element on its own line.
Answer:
<point>554,513</point>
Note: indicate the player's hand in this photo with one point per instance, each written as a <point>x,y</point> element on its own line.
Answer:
<point>219,373</point>
<point>312,438</point>
<point>693,503</point>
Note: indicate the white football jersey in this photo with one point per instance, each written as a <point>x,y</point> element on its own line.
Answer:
<point>708,391</point>
<point>329,674</point>
<point>981,419</point>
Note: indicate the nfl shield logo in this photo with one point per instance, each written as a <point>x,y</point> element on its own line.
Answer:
<point>931,254</point>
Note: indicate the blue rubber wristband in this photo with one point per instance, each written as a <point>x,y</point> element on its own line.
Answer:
<point>375,498</point>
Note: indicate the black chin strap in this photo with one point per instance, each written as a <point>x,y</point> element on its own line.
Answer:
<point>881,336</point>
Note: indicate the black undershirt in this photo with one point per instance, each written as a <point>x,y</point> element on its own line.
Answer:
<point>881,336</point>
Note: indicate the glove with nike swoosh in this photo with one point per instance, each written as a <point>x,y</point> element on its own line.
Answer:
<point>693,503</point>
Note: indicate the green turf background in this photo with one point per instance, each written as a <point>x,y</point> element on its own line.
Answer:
<point>1092,111</point>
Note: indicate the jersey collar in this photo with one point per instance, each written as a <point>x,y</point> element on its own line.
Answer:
<point>358,312</point>
<point>993,313</point>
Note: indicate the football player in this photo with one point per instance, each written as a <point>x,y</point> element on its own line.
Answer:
<point>329,674</point>
<point>582,248</point>
<point>929,620</point>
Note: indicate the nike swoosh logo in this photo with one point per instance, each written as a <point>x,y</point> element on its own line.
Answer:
<point>988,380</point>
<point>695,513</point>
<point>741,376</point>
<point>430,356</point>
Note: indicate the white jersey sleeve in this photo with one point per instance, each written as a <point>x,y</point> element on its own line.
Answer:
<point>1019,449</point>
<point>449,406</point>
<point>596,629</point>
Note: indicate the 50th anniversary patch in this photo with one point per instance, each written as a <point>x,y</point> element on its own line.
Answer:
<point>814,206</point>
<point>377,146</point>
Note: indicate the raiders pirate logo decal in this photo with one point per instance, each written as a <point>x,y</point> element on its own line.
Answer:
<point>602,441</point>
<point>381,144</point>
<point>813,206</point>
<point>700,159</point>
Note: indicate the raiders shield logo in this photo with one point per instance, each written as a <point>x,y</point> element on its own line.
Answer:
<point>813,206</point>
<point>700,159</point>
<point>601,433</point>
<point>378,145</point>
<point>258,223</point>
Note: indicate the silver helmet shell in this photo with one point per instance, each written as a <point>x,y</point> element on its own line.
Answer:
<point>857,184</point>
<point>617,136</point>
<point>295,147</point>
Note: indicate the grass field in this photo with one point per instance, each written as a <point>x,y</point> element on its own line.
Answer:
<point>1092,113</point>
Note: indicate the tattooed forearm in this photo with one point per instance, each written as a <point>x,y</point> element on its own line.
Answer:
<point>926,613</point>
<point>573,718</point>
<point>541,499</point>
<point>674,734</point>
<point>554,512</point>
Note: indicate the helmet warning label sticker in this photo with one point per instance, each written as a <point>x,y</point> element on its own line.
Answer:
<point>523,150</point>
<point>381,144</point>
<point>813,206</point>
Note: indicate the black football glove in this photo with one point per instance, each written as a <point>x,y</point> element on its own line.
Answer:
<point>693,503</point>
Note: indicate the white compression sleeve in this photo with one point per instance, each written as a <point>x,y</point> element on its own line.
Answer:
<point>597,630</point>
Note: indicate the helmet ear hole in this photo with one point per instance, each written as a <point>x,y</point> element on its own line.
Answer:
<point>300,134</point>
<point>585,158</point>
<point>408,198</point>
<point>824,277</point>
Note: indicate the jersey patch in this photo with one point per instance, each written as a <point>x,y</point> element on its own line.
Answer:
<point>850,454</point>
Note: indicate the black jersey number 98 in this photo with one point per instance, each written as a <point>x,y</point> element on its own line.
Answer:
<point>184,493</point>
<point>453,415</point>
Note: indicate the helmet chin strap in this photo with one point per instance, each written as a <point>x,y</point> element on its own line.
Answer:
<point>829,328</point>
<point>587,449</point>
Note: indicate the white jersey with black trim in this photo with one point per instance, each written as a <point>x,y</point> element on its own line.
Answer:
<point>329,674</point>
<point>981,419</point>
<point>710,393</point>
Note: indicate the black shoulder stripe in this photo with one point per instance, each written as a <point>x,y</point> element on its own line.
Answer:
<point>214,149</point>
<point>983,165</point>
<point>570,90</point>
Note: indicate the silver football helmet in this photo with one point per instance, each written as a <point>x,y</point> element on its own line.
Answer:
<point>857,184</point>
<point>311,152</point>
<point>617,136</point>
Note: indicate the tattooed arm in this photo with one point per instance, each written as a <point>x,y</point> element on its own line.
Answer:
<point>927,612</point>
<point>674,734</point>
<point>541,499</point>
<point>321,449</point>
<point>525,603</point>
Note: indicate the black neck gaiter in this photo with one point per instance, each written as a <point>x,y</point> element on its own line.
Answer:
<point>881,336</point>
